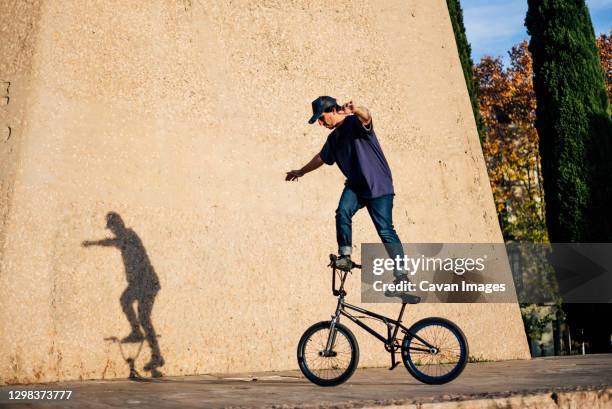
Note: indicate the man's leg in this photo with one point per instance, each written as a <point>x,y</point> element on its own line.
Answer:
<point>145,308</point>
<point>127,300</point>
<point>381,212</point>
<point>348,206</point>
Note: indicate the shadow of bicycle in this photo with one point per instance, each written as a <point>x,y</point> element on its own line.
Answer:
<point>130,352</point>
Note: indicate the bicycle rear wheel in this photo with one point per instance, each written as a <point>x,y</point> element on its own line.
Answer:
<point>444,360</point>
<point>327,368</point>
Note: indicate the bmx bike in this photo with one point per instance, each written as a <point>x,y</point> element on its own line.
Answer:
<point>434,350</point>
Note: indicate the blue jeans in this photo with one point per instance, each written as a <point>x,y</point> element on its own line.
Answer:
<point>380,210</point>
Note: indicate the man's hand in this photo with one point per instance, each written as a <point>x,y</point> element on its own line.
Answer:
<point>348,108</point>
<point>360,112</point>
<point>314,163</point>
<point>294,175</point>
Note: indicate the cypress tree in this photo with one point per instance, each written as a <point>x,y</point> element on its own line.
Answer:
<point>572,119</point>
<point>465,56</point>
<point>574,127</point>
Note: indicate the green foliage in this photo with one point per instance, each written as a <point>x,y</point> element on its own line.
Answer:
<point>465,51</point>
<point>536,318</point>
<point>573,121</point>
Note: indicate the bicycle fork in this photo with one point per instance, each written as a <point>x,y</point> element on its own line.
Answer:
<point>331,338</point>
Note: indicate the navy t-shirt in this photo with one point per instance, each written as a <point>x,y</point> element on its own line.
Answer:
<point>360,158</point>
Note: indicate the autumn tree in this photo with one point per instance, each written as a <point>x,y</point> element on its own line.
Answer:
<point>604,44</point>
<point>507,104</point>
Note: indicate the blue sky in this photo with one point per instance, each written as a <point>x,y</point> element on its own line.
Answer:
<point>494,26</point>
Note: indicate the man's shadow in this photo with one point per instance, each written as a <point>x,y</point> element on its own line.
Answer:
<point>143,285</point>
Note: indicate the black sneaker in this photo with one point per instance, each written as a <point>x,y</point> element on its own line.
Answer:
<point>344,263</point>
<point>402,283</point>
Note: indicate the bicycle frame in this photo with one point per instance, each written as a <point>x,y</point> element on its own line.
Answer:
<point>393,326</point>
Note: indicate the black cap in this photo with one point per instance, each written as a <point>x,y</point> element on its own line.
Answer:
<point>320,105</point>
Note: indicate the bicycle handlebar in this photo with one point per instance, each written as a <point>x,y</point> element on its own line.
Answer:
<point>333,258</point>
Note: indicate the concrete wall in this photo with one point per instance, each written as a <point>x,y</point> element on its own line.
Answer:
<point>19,28</point>
<point>182,117</point>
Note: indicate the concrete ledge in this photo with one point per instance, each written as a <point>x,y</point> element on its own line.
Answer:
<point>579,399</point>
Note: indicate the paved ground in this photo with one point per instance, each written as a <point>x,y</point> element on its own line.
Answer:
<point>376,386</point>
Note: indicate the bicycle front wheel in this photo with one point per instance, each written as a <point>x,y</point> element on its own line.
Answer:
<point>327,368</point>
<point>435,351</point>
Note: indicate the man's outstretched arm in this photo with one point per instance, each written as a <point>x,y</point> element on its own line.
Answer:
<point>104,242</point>
<point>314,163</point>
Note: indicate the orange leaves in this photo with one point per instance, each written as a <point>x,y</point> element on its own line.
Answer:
<point>604,43</point>
<point>507,104</point>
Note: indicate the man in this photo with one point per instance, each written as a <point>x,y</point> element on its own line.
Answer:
<point>353,146</point>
